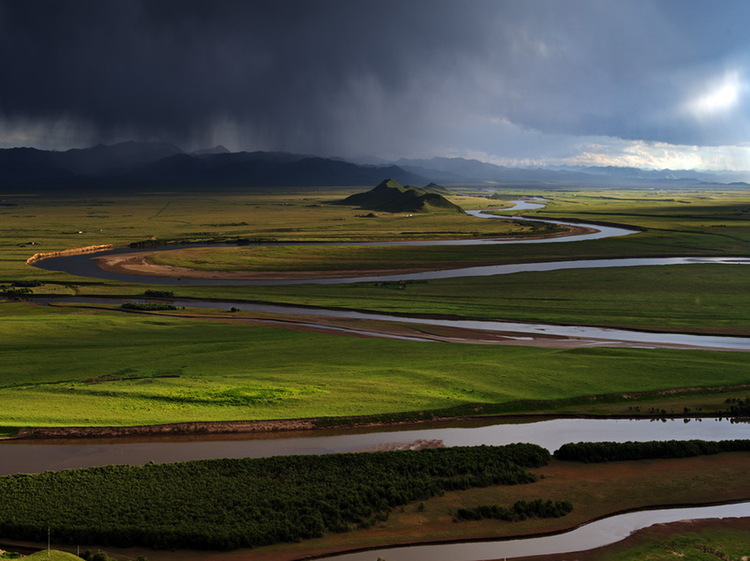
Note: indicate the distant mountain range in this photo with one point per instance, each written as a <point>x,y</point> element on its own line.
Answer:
<point>459,170</point>
<point>150,165</point>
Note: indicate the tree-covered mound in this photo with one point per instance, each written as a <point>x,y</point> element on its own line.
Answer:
<point>227,504</point>
<point>391,196</point>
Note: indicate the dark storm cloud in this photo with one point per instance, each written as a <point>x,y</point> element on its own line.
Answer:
<point>352,76</point>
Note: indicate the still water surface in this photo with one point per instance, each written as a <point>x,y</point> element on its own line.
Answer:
<point>28,456</point>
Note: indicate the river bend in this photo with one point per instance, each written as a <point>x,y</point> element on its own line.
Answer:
<point>596,534</point>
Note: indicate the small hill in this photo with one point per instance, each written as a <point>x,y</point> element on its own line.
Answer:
<point>391,196</point>
<point>439,189</point>
<point>53,555</point>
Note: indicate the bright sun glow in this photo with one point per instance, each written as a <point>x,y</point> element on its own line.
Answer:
<point>719,98</point>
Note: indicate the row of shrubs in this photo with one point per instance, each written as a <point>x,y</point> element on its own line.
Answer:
<point>147,306</point>
<point>521,510</point>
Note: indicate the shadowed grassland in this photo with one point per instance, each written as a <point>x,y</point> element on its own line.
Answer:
<point>696,224</point>
<point>43,224</point>
<point>684,224</point>
<point>61,367</point>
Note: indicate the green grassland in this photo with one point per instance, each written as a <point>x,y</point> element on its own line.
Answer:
<point>190,370</point>
<point>685,298</point>
<point>696,224</point>
<point>237,371</point>
<point>689,541</point>
<point>68,366</point>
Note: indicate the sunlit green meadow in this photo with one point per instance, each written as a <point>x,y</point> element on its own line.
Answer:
<point>60,367</point>
<point>59,364</point>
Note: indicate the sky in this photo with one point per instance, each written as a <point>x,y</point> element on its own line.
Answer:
<point>646,83</point>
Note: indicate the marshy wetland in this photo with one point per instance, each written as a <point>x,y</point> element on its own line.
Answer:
<point>87,364</point>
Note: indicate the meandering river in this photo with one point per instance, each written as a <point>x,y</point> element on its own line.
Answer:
<point>84,265</point>
<point>23,456</point>
<point>33,456</point>
<point>596,534</point>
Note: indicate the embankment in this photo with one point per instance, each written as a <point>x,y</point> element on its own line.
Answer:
<point>65,252</point>
<point>167,429</point>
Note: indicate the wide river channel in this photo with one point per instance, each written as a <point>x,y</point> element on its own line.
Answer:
<point>84,265</point>
<point>36,456</point>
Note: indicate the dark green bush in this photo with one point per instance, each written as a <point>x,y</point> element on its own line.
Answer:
<point>521,510</point>
<point>147,306</point>
<point>592,452</point>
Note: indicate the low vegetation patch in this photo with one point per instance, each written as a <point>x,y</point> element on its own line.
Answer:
<point>521,510</point>
<point>159,293</point>
<point>147,306</point>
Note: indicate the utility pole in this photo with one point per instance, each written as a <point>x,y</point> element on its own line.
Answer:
<point>49,554</point>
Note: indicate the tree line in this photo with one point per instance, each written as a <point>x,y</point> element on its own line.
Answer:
<point>593,452</point>
<point>147,306</point>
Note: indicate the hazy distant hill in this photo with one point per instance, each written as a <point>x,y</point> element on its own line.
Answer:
<point>218,149</point>
<point>390,196</point>
<point>435,188</point>
<point>139,166</point>
<point>144,165</point>
<point>461,170</point>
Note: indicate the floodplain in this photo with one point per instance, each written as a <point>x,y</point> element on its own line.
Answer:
<point>78,365</point>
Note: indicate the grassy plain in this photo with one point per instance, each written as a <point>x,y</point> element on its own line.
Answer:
<point>689,541</point>
<point>228,370</point>
<point>55,361</point>
<point>235,371</point>
<point>686,298</point>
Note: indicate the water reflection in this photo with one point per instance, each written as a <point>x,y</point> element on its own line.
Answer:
<point>37,456</point>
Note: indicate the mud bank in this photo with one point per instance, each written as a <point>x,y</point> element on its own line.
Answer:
<point>174,429</point>
<point>67,252</point>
